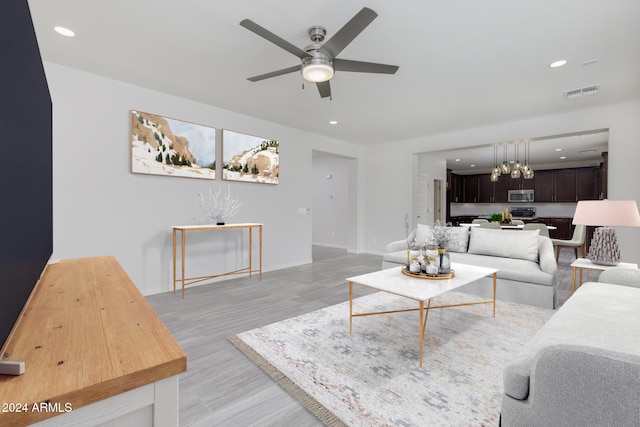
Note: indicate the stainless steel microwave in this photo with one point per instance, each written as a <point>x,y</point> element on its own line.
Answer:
<point>521,196</point>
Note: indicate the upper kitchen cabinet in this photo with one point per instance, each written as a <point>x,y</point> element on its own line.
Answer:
<point>567,185</point>
<point>588,184</point>
<point>470,188</point>
<point>555,185</point>
<point>454,183</point>
<point>521,183</point>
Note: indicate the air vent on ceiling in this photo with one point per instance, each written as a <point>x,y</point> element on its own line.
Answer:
<point>580,92</point>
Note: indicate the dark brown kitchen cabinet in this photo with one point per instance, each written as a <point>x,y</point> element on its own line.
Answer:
<point>453,187</point>
<point>469,188</point>
<point>564,228</point>
<point>544,186</point>
<point>588,183</point>
<point>485,189</point>
<point>521,183</point>
<point>565,185</point>
<point>501,189</point>
<point>555,185</point>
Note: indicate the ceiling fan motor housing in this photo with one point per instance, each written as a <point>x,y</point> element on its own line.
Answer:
<point>317,33</point>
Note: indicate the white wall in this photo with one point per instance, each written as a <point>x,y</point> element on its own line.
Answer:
<point>331,184</point>
<point>387,167</point>
<point>101,208</point>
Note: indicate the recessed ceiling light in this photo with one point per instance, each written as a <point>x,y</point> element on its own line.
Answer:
<point>558,149</point>
<point>65,31</point>
<point>557,64</point>
<point>457,160</point>
<point>563,157</point>
<point>472,166</point>
<point>333,122</point>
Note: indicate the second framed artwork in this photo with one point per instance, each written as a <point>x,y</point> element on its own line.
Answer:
<point>250,158</point>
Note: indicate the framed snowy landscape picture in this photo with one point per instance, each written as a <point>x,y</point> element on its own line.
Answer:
<point>250,158</point>
<point>170,147</point>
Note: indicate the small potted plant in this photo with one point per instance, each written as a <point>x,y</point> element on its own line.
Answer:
<point>496,217</point>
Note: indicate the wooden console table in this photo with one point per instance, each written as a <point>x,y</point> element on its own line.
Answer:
<point>183,229</point>
<point>95,353</point>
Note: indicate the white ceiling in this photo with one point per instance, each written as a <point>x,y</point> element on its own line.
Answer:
<point>463,63</point>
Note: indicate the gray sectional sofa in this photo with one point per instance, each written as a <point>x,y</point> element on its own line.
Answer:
<point>582,368</point>
<point>525,261</point>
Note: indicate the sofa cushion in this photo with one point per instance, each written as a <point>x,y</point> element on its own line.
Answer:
<point>519,270</point>
<point>518,244</point>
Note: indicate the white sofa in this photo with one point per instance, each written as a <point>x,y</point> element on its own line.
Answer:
<point>525,261</point>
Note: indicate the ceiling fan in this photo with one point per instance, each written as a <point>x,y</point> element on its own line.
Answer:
<point>318,60</point>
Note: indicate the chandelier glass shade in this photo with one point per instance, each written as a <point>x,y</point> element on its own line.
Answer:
<point>527,172</point>
<point>515,171</point>
<point>505,168</point>
<point>496,171</point>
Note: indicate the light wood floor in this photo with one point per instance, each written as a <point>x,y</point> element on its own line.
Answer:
<point>221,386</point>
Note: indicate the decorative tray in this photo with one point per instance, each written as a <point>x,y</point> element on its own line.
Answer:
<point>429,276</point>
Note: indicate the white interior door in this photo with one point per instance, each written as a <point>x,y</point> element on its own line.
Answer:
<point>422,200</point>
<point>437,200</point>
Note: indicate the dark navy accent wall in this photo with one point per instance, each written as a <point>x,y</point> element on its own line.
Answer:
<point>26,216</point>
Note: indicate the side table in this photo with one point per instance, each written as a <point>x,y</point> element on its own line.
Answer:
<point>583,263</point>
<point>183,229</point>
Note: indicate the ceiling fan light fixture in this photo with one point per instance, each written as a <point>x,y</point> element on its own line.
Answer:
<point>317,70</point>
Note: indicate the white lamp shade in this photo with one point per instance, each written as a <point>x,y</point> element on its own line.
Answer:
<point>608,213</point>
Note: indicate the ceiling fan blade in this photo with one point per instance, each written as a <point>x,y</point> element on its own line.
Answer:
<point>348,32</point>
<point>277,40</point>
<point>363,67</point>
<point>324,88</point>
<point>274,73</point>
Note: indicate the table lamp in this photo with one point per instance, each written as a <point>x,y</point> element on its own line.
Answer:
<point>604,214</point>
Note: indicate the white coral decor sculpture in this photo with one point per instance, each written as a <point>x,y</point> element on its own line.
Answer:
<point>217,208</point>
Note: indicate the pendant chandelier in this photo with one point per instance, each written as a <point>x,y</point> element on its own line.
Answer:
<point>518,169</point>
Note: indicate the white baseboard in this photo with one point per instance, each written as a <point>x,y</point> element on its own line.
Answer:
<point>328,245</point>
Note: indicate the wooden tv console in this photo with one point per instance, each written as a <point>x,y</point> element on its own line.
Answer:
<point>95,353</point>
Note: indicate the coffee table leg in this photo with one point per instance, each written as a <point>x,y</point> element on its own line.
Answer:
<point>573,279</point>
<point>422,325</point>
<point>350,306</point>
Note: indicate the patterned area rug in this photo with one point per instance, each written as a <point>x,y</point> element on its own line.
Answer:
<point>372,377</point>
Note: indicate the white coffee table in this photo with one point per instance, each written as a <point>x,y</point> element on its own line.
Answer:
<point>583,263</point>
<point>422,290</point>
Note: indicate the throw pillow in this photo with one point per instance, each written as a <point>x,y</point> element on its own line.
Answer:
<point>519,244</point>
<point>458,239</point>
